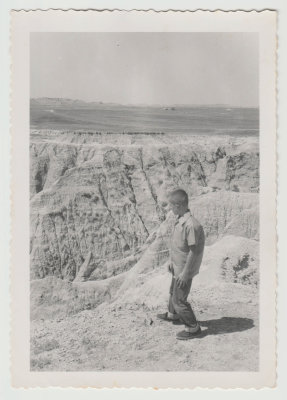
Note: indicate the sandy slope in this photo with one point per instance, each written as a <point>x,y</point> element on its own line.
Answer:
<point>115,327</point>
<point>131,338</point>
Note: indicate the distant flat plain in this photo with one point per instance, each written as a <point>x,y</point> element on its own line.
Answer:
<point>114,118</point>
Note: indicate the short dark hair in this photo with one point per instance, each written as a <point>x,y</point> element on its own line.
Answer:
<point>181,194</point>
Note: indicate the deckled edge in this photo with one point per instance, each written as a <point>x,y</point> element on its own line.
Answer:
<point>144,10</point>
<point>276,69</point>
<point>11,182</point>
<point>150,10</point>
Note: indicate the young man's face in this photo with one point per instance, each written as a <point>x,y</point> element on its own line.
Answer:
<point>176,205</point>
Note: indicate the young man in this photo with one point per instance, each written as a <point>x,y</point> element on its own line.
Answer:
<point>186,251</point>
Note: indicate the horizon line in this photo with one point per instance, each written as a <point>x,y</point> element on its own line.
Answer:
<point>144,104</point>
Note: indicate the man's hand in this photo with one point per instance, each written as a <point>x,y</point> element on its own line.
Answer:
<point>169,267</point>
<point>181,280</point>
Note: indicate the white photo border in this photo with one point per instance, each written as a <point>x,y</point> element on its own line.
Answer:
<point>134,21</point>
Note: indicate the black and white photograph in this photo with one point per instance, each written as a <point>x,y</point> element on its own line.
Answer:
<point>144,164</point>
<point>145,202</point>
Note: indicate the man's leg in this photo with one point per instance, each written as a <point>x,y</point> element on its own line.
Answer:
<point>171,315</point>
<point>180,304</point>
<point>184,310</point>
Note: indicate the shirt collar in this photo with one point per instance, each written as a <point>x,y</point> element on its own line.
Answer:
<point>183,218</point>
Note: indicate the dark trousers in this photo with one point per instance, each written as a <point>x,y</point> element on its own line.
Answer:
<point>178,303</point>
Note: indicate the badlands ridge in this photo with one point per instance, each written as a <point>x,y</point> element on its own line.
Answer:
<point>99,243</point>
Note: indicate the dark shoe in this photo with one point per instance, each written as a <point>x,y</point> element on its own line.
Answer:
<point>165,317</point>
<point>185,335</point>
<point>177,322</point>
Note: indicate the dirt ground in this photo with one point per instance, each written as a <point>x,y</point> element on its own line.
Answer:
<point>128,336</point>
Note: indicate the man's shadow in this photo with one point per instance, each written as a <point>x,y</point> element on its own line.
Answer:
<point>225,325</point>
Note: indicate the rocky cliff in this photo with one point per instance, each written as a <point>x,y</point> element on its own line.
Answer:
<point>96,199</point>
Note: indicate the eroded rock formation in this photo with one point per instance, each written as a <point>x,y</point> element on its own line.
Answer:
<point>96,200</point>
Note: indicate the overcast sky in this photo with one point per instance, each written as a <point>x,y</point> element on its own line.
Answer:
<point>146,68</point>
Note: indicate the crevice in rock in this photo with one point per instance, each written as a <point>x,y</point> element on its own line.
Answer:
<point>201,173</point>
<point>152,192</point>
<point>134,200</point>
<point>57,242</point>
<point>167,164</point>
<point>34,236</point>
<point>106,205</point>
<point>40,177</point>
<point>74,226</point>
<point>70,246</point>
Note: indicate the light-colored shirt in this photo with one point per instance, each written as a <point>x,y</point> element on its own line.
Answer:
<point>187,232</point>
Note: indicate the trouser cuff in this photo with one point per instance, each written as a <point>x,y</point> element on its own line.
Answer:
<point>172,316</point>
<point>192,329</point>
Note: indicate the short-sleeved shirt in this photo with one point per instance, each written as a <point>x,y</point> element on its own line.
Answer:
<point>187,232</point>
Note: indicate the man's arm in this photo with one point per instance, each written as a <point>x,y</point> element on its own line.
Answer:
<point>185,275</point>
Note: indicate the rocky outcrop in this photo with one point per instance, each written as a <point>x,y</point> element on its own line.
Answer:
<point>227,213</point>
<point>96,200</point>
<point>231,260</point>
